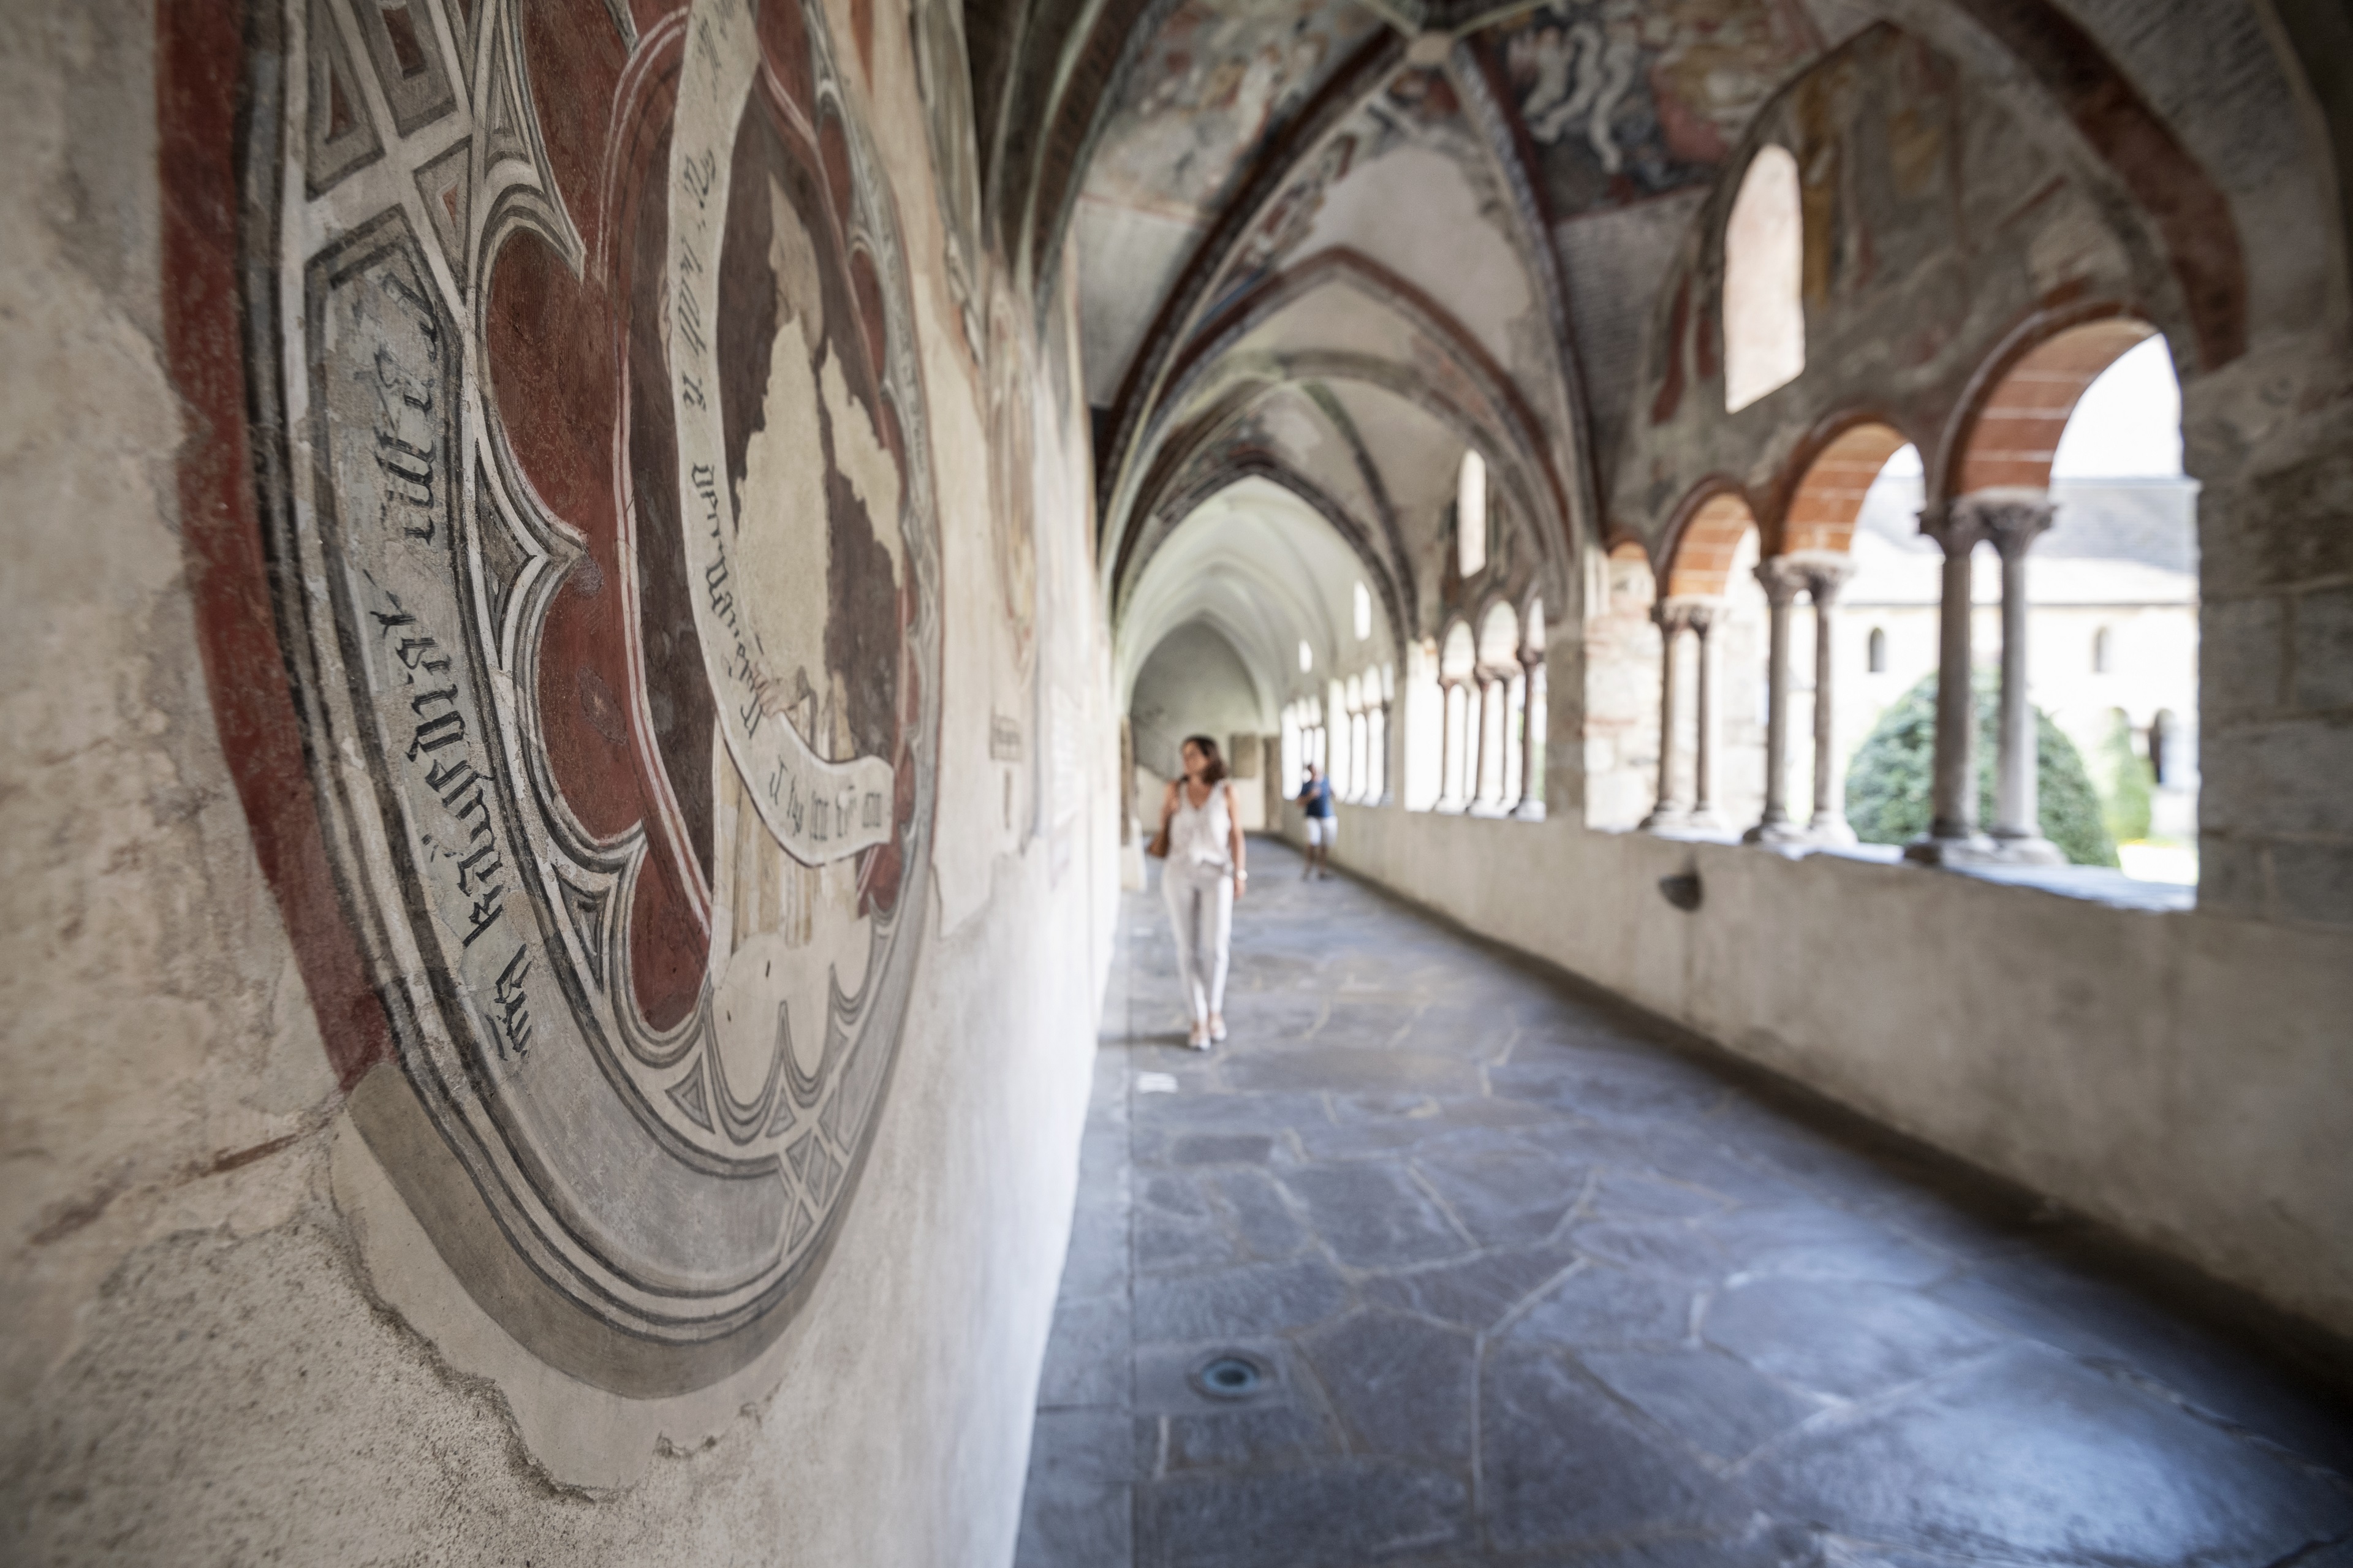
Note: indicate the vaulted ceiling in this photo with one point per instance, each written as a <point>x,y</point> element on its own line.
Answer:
<point>1329,246</point>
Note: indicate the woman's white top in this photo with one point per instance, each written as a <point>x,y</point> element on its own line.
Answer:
<point>1200,836</point>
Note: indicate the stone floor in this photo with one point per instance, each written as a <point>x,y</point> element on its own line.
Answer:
<point>1525,1284</point>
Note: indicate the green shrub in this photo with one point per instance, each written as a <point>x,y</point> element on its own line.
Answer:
<point>2127,802</point>
<point>1888,786</point>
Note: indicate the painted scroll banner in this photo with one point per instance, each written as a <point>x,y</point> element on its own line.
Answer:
<point>761,669</point>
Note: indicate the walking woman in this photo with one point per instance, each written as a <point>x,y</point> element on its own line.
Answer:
<point>1202,879</point>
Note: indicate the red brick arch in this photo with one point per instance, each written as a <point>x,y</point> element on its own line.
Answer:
<point>1828,500</point>
<point>2013,434</point>
<point>1701,566</point>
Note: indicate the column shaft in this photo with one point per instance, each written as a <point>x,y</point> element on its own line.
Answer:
<point>1445,744</point>
<point>1781,578</point>
<point>1702,813</point>
<point>1488,781</point>
<point>1531,746</point>
<point>1666,811</point>
<point>1953,803</point>
<point>1823,581</point>
<point>2014,519</point>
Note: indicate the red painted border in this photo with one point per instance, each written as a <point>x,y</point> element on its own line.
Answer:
<point>199,91</point>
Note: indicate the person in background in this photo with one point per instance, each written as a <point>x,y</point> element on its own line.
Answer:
<point>1203,876</point>
<point>1322,822</point>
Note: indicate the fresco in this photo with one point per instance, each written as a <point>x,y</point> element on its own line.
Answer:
<point>1623,99</point>
<point>944,77</point>
<point>1220,78</point>
<point>595,467</point>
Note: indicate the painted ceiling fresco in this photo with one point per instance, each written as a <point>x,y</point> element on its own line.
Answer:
<point>1220,79</point>
<point>1622,100</point>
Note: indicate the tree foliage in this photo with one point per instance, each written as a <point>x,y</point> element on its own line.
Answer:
<point>1888,788</point>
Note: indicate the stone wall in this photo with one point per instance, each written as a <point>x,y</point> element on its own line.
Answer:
<point>358,501</point>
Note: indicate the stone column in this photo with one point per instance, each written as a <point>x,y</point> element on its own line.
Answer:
<point>2013,520</point>
<point>1952,833</point>
<point>1672,619</point>
<point>1445,745</point>
<point>1488,780</point>
<point>1532,743</point>
<point>1702,810</point>
<point>1378,715</point>
<point>1782,577</point>
<point>1826,574</point>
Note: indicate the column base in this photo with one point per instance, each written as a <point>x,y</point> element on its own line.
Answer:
<point>1668,818</point>
<point>2027,850</point>
<point>1529,811</point>
<point>1975,849</point>
<point>1830,833</point>
<point>1776,832</point>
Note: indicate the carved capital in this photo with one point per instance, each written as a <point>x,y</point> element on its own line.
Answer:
<point>1825,573</point>
<point>2012,520</point>
<point>1783,576</point>
<point>1956,528</point>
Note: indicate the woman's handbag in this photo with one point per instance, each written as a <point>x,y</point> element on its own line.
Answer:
<point>1158,847</point>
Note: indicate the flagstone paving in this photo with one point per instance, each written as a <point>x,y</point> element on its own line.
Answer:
<point>1523,1281</point>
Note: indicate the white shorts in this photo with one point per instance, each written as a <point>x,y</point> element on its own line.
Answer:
<point>1323,832</point>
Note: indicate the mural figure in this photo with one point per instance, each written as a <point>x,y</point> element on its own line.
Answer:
<point>1224,75</point>
<point>596,452</point>
<point>1631,99</point>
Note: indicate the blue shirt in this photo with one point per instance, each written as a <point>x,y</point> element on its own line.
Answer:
<point>1316,796</point>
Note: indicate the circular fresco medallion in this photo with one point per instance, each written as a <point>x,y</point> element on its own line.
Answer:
<point>611,588</point>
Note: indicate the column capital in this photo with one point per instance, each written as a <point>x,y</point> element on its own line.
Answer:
<point>1956,528</point>
<point>1783,577</point>
<point>2011,518</point>
<point>1671,615</point>
<point>1531,659</point>
<point>1825,572</point>
<point>1689,612</point>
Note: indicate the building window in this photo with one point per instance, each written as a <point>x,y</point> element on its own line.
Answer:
<point>1470,516</point>
<point>1878,646</point>
<point>1364,612</point>
<point>1306,657</point>
<point>1764,279</point>
<point>2103,651</point>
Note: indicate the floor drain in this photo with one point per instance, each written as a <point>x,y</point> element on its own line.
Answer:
<point>1231,1377</point>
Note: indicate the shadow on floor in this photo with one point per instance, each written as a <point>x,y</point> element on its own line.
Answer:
<point>1523,1278</point>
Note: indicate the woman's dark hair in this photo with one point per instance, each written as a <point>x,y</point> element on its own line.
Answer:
<point>1214,769</point>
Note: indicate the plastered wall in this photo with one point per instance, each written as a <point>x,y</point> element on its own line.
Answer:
<point>255,1308</point>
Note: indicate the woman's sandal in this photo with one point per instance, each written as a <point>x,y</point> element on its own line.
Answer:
<point>1217,1026</point>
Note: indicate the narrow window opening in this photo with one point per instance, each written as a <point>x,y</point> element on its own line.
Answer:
<point>1470,516</point>
<point>1364,612</point>
<point>1878,651</point>
<point>1764,280</point>
<point>2103,652</point>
